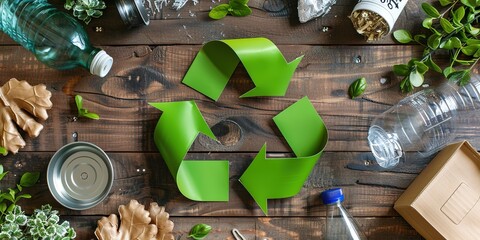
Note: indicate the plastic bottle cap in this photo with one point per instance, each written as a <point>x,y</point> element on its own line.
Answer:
<point>332,196</point>
<point>101,64</point>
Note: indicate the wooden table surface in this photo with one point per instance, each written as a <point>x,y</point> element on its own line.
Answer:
<point>149,64</point>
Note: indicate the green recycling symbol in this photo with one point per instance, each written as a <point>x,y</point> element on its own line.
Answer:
<point>265,178</point>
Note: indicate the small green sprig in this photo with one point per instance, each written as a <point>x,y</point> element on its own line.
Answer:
<point>82,112</point>
<point>10,197</point>
<point>237,8</point>
<point>199,231</point>
<point>452,30</point>
<point>85,10</point>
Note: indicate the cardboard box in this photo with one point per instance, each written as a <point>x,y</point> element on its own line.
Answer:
<point>443,201</point>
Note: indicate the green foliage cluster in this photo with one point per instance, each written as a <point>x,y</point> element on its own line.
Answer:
<point>85,10</point>
<point>10,196</point>
<point>43,224</point>
<point>237,8</point>
<point>454,30</point>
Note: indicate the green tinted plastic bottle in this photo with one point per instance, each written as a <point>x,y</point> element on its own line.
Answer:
<point>56,38</point>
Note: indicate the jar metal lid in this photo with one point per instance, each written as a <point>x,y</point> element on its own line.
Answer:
<point>132,12</point>
<point>80,175</point>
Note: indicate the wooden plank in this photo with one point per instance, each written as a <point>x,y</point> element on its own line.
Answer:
<point>145,177</point>
<point>265,228</point>
<point>274,19</point>
<point>141,75</point>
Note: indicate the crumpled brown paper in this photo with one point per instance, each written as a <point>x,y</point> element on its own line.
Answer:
<point>136,223</point>
<point>16,99</point>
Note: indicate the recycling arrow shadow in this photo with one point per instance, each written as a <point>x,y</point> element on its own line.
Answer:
<point>216,61</point>
<point>176,130</point>
<point>274,178</point>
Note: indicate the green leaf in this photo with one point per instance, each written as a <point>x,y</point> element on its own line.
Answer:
<point>401,69</point>
<point>471,49</point>
<point>22,196</point>
<point>79,102</point>
<point>421,67</point>
<point>433,41</point>
<point>416,78</point>
<point>402,36</point>
<point>200,231</point>
<point>469,3</point>
<point>69,4</point>
<point>445,2</point>
<point>460,77</point>
<point>243,2</point>
<point>3,151</point>
<point>357,87</point>
<point>219,11</point>
<point>3,207</point>
<point>472,30</point>
<point>430,10</point>
<point>419,37</point>
<point>239,10</point>
<point>405,85</point>
<point>446,25</point>
<point>458,14</point>
<point>427,23</point>
<point>29,179</point>
<point>91,115</point>
<point>432,65</point>
<point>472,41</point>
<point>447,71</point>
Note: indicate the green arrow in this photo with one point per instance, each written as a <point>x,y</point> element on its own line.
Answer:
<point>176,130</point>
<point>274,178</point>
<point>216,61</point>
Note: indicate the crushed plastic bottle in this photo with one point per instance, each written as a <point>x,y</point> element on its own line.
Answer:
<point>423,122</point>
<point>54,37</point>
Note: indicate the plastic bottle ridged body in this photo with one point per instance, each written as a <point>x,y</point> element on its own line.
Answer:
<point>56,38</point>
<point>423,122</point>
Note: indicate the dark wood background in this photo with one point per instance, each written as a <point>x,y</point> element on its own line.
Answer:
<point>150,63</point>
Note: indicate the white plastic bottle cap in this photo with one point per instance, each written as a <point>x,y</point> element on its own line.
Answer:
<point>101,64</point>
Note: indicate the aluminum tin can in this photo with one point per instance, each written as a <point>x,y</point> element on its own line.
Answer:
<point>132,12</point>
<point>80,175</point>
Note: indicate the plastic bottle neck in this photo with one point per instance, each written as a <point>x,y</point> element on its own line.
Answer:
<point>99,63</point>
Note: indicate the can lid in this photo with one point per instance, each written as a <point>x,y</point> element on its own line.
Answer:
<point>132,12</point>
<point>80,175</point>
<point>332,196</point>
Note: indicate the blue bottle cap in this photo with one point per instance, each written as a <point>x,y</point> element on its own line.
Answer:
<point>332,196</point>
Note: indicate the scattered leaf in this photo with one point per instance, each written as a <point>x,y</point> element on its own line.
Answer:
<point>200,231</point>
<point>357,87</point>
<point>402,36</point>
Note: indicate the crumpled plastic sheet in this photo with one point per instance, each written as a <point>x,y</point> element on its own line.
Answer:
<point>310,9</point>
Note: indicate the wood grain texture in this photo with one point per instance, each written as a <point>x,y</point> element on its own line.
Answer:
<point>149,64</point>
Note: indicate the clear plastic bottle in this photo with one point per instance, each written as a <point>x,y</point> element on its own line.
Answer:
<point>423,122</point>
<point>56,38</point>
<point>340,224</point>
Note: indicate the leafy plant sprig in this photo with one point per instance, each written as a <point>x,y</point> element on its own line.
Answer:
<point>199,231</point>
<point>82,112</point>
<point>452,30</point>
<point>43,224</point>
<point>237,8</point>
<point>85,10</point>
<point>10,197</point>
